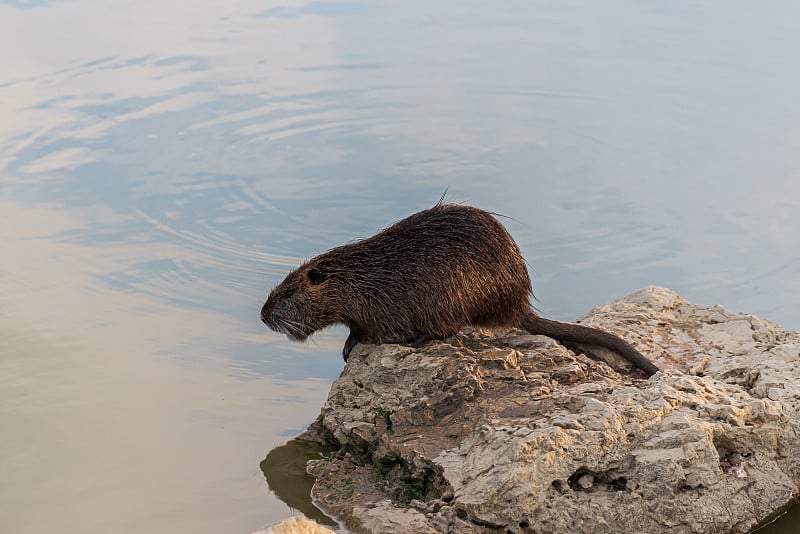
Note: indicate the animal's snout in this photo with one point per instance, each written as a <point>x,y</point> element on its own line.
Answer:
<point>265,312</point>
<point>272,313</point>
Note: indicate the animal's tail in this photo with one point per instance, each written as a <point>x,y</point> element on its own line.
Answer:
<point>583,334</point>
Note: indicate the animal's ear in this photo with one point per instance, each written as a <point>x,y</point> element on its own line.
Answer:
<point>315,276</point>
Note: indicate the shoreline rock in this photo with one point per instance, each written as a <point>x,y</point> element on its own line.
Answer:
<point>515,433</point>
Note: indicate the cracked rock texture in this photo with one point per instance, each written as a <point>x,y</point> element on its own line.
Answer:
<point>509,432</point>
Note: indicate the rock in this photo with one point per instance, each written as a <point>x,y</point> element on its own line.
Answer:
<point>515,433</point>
<point>296,525</point>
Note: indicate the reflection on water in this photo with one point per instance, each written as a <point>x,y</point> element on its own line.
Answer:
<point>285,471</point>
<point>785,524</point>
<point>163,164</point>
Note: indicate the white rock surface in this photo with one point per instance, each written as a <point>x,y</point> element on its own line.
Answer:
<point>517,434</point>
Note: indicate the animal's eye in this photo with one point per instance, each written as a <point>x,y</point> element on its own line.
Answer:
<point>315,277</point>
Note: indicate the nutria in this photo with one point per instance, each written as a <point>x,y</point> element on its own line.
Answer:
<point>423,278</point>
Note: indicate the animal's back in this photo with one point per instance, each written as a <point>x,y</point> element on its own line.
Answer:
<point>436,271</point>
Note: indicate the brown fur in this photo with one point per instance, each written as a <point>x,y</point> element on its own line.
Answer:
<point>425,277</point>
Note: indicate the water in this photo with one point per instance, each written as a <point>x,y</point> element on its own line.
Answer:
<point>162,164</point>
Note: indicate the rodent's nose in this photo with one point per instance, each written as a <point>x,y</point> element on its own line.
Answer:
<point>264,314</point>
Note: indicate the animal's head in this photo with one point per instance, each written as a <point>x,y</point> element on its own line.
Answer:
<point>303,303</point>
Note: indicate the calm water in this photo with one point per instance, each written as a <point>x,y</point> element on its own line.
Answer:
<point>162,164</point>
